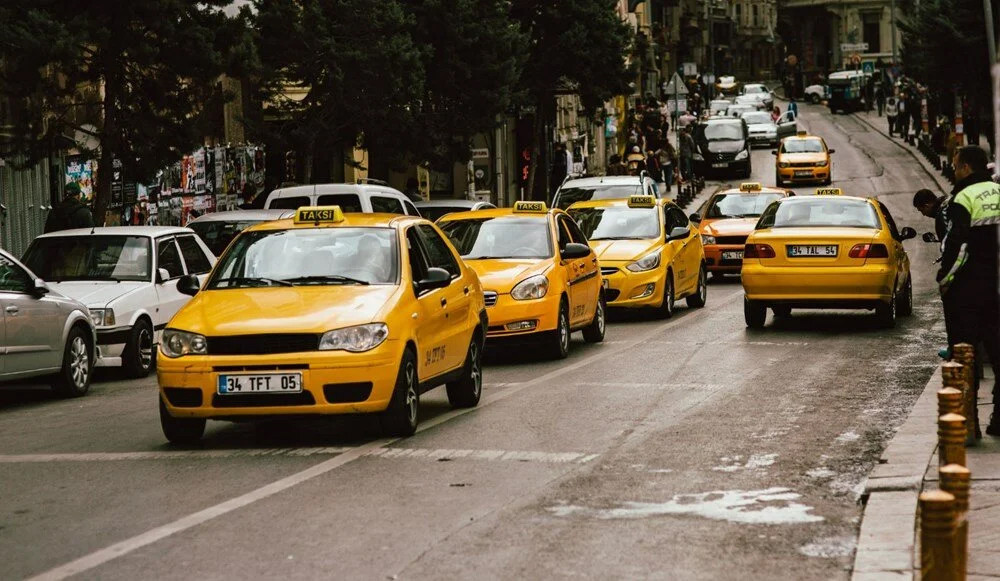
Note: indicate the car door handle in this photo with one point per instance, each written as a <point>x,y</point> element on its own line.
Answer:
<point>12,310</point>
<point>444,302</point>
<point>465,290</point>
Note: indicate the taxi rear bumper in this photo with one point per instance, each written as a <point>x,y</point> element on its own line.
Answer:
<point>862,286</point>
<point>543,312</point>
<point>627,289</point>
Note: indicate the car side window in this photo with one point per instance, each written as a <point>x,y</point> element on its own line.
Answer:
<point>575,234</point>
<point>651,189</point>
<point>194,257</point>
<point>564,237</point>
<point>411,209</point>
<point>12,277</point>
<point>169,258</point>
<point>438,253</point>
<point>386,205</point>
<point>347,202</point>
<point>415,254</point>
<point>675,219</point>
<point>888,220</point>
<point>289,203</point>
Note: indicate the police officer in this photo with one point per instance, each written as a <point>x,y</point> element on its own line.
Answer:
<point>968,277</point>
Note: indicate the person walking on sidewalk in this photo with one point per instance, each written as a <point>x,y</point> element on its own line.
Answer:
<point>968,279</point>
<point>879,98</point>
<point>890,113</point>
<point>687,153</point>
<point>902,116</point>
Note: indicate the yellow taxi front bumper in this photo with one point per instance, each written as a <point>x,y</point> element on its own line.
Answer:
<point>333,382</point>
<point>869,283</point>
<point>804,174</point>
<point>626,289</point>
<point>510,317</point>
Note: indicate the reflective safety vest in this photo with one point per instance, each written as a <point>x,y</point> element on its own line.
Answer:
<point>982,201</point>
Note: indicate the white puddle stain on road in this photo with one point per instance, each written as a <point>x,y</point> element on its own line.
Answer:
<point>755,462</point>
<point>830,547</point>
<point>774,505</point>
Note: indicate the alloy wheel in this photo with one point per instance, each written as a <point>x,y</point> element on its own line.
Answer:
<point>79,362</point>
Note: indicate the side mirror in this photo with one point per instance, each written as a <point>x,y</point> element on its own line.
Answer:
<point>574,251</point>
<point>929,237</point>
<point>162,275</point>
<point>188,285</point>
<point>39,288</point>
<point>436,278</point>
<point>831,151</point>
<point>774,152</point>
<point>678,233</point>
<point>906,233</point>
<point>696,217</point>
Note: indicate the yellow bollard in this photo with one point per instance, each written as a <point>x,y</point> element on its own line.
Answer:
<point>951,439</point>
<point>964,354</point>
<point>937,535</point>
<point>949,399</point>
<point>955,480</point>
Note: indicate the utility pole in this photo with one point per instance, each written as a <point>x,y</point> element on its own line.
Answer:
<point>991,44</point>
<point>709,17</point>
<point>892,16</point>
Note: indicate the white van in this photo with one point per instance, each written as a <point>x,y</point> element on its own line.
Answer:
<point>362,197</point>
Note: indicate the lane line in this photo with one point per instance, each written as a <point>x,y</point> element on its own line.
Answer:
<point>169,455</point>
<point>121,548</point>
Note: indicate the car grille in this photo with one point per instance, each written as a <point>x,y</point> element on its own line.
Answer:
<point>805,164</point>
<point>263,344</point>
<point>730,239</point>
<point>608,270</point>
<point>611,294</point>
<point>262,400</point>
<point>490,298</point>
<point>724,156</point>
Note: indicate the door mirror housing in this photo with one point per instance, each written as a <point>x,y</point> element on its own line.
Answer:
<point>188,285</point>
<point>436,278</point>
<point>831,151</point>
<point>162,275</point>
<point>906,233</point>
<point>930,237</point>
<point>774,152</point>
<point>39,288</point>
<point>696,217</point>
<point>574,251</point>
<point>679,232</point>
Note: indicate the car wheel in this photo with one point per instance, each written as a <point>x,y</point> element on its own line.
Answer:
<point>666,308</point>
<point>594,332</point>
<point>465,392</point>
<point>777,179</point>
<point>828,180</point>
<point>782,312</point>
<point>886,313</point>
<point>755,313</point>
<point>814,99</point>
<point>401,417</point>
<point>138,356</point>
<point>558,340</point>
<point>697,300</point>
<point>73,379</point>
<point>184,431</point>
<point>905,307</point>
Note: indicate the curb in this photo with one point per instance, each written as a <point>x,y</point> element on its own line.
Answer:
<point>887,541</point>
<point>943,185</point>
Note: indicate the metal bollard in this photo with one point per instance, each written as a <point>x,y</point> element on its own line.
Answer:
<point>949,401</point>
<point>955,480</point>
<point>951,439</point>
<point>954,388</point>
<point>965,354</point>
<point>937,535</point>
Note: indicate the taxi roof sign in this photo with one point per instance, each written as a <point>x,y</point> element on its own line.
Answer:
<point>641,201</point>
<point>525,207</point>
<point>319,215</point>
<point>802,133</point>
<point>750,187</point>
<point>829,192</point>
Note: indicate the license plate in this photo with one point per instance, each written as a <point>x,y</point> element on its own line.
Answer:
<point>732,255</point>
<point>803,173</point>
<point>260,383</point>
<point>720,165</point>
<point>815,250</point>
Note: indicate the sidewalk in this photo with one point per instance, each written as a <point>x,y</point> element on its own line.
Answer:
<point>880,125</point>
<point>888,542</point>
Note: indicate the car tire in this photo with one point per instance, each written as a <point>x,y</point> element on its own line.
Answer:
<point>782,312</point>
<point>828,180</point>
<point>814,99</point>
<point>777,179</point>
<point>73,379</point>
<point>594,332</point>
<point>905,306</point>
<point>666,308</point>
<point>700,296</point>
<point>400,419</point>
<point>755,313</point>
<point>182,431</point>
<point>137,359</point>
<point>465,392</point>
<point>557,342</point>
<point>886,313</point>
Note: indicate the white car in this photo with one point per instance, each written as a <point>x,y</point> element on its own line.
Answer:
<point>719,106</point>
<point>604,188</point>
<point>765,131</point>
<point>816,93</point>
<point>218,229</point>
<point>361,197</point>
<point>760,92</point>
<point>127,276</point>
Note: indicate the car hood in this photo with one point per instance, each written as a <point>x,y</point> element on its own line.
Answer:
<point>728,226</point>
<point>501,274</point>
<point>725,146</point>
<point>301,309</point>
<point>802,157</point>
<point>96,294</point>
<point>623,249</point>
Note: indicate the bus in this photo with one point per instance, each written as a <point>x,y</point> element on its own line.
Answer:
<point>846,90</point>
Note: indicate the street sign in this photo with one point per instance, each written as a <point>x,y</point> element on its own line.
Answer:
<point>690,69</point>
<point>708,79</point>
<point>675,86</point>
<point>854,47</point>
<point>480,153</point>
<point>868,67</point>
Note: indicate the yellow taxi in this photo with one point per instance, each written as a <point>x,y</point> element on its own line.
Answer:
<point>650,254</point>
<point>826,251</point>
<point>803,158</point>
<point>540,277</point>
<point>725,221</point>
<point>324,313</point>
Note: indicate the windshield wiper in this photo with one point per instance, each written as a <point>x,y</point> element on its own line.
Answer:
<point>623,238</point>
<point>325,278</point>
<point>486,257</point>
<point>269,281</point>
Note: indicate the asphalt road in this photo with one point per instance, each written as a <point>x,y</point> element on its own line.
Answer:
<point>689,448</point>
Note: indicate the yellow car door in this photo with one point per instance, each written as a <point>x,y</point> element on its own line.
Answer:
<point>429,314</point>
<point>457,296</point>
<point>590,269</point>
<point>686,255</point>
<point>575,272</point>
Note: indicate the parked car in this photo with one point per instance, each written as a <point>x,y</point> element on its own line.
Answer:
<point>722,144</point>
<point>43,333</point>
<point>604,188</point>
<point>218,230</point>
<point>760,92</point>
<point>360,197</point>
<point>127,276</point>
<point>434,209</point>
<point>817,93</point>
<point>751,101</point>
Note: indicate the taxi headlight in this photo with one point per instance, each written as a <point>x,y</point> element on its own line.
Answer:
<point>783,164</point>
<point>179,343</point>
<point>102,317</point>
<point>706,239</point>
<point>742,155</point>
<point>354,339</point>
<point>533,287</point>
<point>821,163</point>
<point>648,262</point>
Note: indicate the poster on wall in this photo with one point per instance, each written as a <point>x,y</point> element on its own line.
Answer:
<point>199,171</point>
<point>83,172</point>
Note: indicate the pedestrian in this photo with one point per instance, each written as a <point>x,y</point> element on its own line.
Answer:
<point>776,114</point>
<point>412,190</point>
<point>560,168</point>
<point>614,163</point>
<point>968,277</point>
<point>633,159</point>
<point>879,98</point>
<point>667,157</point>
<point>931,206</point>
<point>793,107</point>
<point>891,110</point>
<point>653,166</point>
<point>70,213</point>
<point>687,153</point>
<point>902,116</point>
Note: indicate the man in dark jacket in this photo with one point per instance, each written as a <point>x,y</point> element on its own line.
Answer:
<point>969,280</point>
<point>71,213</point>
<point>930,205</point>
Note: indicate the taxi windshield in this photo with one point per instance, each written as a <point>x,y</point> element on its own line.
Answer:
<point>569,196</point>
<point>819,211</point>
<point>617,223</point>
<point>802,146</point>
<point>309,256</point>
<point>110,258</point>
<point>739,205</point>
<point>500,237</point>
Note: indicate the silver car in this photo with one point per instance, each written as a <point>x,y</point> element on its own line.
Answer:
<point>434,209</point>
<point>43,333</point>
<point>218,230</point>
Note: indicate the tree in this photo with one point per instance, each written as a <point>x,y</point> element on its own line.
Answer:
<point>153,67</point>
<point>576,46</point>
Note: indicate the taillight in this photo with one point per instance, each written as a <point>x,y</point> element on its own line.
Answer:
<point>869,251</point>
<point>758,251</point>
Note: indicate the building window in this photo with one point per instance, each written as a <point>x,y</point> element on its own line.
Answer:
<point>872,25</point>
<point>754,15</point>
<point>738,14</point>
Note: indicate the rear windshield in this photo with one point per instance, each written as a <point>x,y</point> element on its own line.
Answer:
<point>819,211</point>
<point>289,203</point>
<point>218,234</point>
<point>432,213</point>
<point>756,118</point>
<point>569,196</point>
<point>724,131</point>
<point>347,202</point>
<point>739,205</point>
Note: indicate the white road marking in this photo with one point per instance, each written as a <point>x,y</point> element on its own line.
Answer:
<point>101,556</point>
<point>169,455</point>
